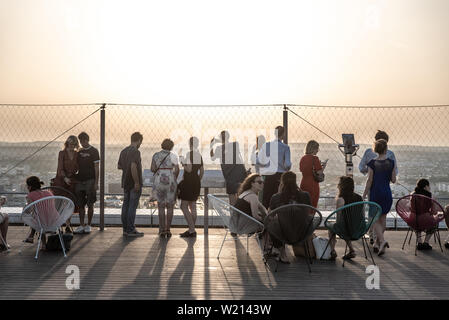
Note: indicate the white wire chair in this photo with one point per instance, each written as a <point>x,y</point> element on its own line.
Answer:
<point>236,221</point>
<point>48,215</point>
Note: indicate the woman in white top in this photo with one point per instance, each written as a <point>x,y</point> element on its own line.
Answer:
<point>165,167</point>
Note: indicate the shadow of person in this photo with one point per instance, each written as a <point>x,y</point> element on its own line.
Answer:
<point>181,278</point>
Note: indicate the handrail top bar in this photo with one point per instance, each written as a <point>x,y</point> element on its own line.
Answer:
<point>284,105</point>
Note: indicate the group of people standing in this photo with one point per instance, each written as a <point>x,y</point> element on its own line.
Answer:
<point>165,167</point>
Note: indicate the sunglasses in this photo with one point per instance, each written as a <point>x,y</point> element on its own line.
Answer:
<point>259,182</point>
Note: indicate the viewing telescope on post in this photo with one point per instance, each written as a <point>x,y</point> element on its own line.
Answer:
<point>349,149</point>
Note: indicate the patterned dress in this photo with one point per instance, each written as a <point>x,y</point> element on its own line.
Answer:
<point>165,184</point>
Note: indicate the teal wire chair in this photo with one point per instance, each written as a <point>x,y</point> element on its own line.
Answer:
<point>352,221</point>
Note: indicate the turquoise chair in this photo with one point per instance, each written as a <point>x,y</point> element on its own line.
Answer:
<point>352,221</point>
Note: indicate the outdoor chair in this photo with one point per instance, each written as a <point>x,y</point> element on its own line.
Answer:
<point>47,215</point>
<point>3,241</point>
<point>235,221</point>
<point>422,214</point>
<point>351,222</point>
<point>293,224</point>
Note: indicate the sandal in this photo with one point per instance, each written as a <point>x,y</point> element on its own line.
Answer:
<point>349,256</point>
<point>29,240</point>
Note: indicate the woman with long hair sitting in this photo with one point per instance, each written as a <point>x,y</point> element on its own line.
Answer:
<point>288,193</point>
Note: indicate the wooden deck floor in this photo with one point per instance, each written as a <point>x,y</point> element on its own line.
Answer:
<point>112,267</point>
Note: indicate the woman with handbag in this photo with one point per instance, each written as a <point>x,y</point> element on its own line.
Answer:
<point>312,171</point>
<point>66,172</point>
<point>165,167</point>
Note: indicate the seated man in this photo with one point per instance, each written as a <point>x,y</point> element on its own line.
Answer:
<point>4,221</point>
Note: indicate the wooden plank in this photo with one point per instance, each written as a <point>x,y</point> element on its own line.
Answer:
<point>112,267</point>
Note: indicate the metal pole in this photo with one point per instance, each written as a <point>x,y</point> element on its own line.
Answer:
<point>102,158</point>
<point>285,124</point>
<point>206,211</point>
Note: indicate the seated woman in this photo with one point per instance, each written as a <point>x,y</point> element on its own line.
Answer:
<point>288,193</point>
<point>4,222</point>
<point>345,196</point>
<point>35,193</point>
<point>248,197</point>
<point>419,208</point>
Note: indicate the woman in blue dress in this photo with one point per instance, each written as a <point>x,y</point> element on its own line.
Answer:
<point>380,173</point>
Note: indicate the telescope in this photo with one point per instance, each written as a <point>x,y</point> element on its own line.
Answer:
<point>349,149</point>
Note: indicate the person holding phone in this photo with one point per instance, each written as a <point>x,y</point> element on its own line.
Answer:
<point>309,164</point>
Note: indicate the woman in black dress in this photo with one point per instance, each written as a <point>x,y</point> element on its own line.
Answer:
<point>189,187</point>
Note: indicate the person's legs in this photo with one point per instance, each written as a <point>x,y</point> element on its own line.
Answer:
<point>332,240</point>
<point>379,230</point>
<point>187,214</point>
<point>125,207</point>
<point>271,186</point>
<point>132,208</point>
<point>81,215</point>
<point>90,214</point>
<point>192,205</point>
<point>170,208</point>
<point>161,211</point>
<point>232,199</point>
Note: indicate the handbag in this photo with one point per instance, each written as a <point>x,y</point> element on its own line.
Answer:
<point>54,244</point>
<point>319,244</point>
<point>319,177</point>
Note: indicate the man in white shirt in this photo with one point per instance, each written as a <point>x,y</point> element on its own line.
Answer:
<point>273,160</point>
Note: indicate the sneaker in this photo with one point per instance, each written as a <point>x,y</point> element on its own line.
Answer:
<point>426,246</point>
<point>446,245</point>
<point>135,233</point>
<point>79,230</point>
<point>87,229</point>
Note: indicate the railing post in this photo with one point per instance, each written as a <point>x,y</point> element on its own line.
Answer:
<point>206,212</point>
<point>102,158</point>
<point>285,124</point>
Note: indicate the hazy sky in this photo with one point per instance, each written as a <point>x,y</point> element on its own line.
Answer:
<point>199,52</point>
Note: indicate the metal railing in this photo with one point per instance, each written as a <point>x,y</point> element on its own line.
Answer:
<point>32,135</point>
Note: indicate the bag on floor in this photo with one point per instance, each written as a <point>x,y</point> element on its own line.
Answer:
<point>320,243</point>
<point>300,251</point>
<point>54,244</point>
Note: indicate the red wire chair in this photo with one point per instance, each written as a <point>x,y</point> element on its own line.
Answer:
<point>422,214</point>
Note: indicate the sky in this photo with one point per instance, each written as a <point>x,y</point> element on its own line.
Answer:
<point>349,52</point>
